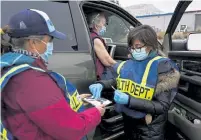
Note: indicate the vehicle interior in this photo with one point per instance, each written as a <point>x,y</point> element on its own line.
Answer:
<point>185,109</point>
<point>116,41</point>
<point>117,44</point>
<point>111,126</point>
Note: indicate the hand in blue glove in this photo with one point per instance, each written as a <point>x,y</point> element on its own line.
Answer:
<point>120,97</point>
<point>96,90</point>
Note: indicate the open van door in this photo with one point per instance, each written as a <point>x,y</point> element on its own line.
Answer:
<point>185,111</point>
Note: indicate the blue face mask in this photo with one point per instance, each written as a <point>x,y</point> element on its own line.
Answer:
<point>139,54</point>
<point>45,56</point>
<point>102,31</point>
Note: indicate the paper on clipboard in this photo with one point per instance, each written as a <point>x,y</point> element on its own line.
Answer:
<point>97,102</point>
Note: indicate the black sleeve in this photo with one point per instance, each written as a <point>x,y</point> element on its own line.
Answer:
<point>158,106</point>
<point>111,82</point>
<point>107,83</point>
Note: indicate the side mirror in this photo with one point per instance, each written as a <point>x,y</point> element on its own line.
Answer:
<point>194,42</point>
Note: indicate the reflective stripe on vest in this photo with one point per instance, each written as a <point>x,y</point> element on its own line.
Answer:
<point>14,71</point>
<point>120,66</point>
<point>134,89</point>
<point>1,31</point>
<point>75,102</point>
<point>5,135</point>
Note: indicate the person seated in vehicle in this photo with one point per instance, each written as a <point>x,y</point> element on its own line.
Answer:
<point>38,103</point>
<point>97,26</point>
<point>146,86</point>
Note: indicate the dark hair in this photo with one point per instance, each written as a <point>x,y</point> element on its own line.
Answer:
<point>145,34</point>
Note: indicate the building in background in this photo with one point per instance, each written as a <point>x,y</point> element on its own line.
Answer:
<point>159,20</point>
<point>143,9</point>
<point>191,21</point>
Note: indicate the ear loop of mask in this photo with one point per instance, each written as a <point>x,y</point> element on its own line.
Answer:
<point>36,49</point>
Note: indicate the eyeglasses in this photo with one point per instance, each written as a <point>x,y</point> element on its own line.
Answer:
<point>136,47</point>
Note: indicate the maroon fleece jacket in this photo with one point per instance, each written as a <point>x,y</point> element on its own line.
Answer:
<point>34,108</point>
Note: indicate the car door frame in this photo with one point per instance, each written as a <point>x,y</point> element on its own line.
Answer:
<point>181,102</point>
<point>176,17</point>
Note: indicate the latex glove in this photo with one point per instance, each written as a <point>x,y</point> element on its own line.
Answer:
<point>96,90</point>
<point>120,97</point>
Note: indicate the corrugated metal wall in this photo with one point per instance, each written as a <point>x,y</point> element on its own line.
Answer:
<point>160,23</point>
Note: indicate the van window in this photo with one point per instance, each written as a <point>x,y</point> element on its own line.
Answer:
<point>59,13</point>
<point>117,29</point>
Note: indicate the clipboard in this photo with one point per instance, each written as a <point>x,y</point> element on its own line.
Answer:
<point>97,102</point>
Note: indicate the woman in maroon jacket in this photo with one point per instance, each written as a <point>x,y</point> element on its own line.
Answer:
<point>33,105</point>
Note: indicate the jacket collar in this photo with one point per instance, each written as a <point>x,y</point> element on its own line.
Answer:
<point>12,58</point>
<point>40,64</point>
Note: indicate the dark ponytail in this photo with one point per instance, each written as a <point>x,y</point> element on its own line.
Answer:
<point>6,46</point>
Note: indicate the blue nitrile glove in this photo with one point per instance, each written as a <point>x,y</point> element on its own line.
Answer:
<point>96,90</point>
<point>120,97</point>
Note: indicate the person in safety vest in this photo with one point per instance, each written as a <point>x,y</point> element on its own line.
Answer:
<point>38,104</point>
<point>146,85</point>
<point>97,26</point>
